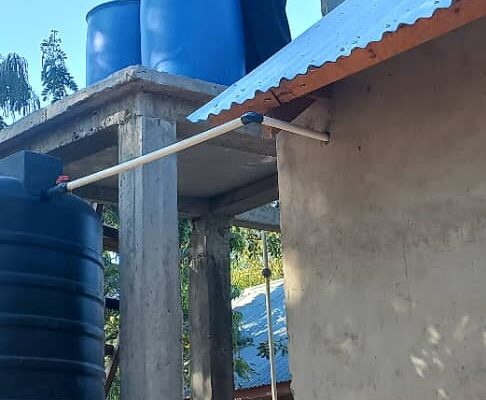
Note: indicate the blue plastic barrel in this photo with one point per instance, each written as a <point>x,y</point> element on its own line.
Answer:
<point>113,41</point>
<point>201,39</point>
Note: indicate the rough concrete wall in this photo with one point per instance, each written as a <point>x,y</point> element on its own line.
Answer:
<point>385,232</point>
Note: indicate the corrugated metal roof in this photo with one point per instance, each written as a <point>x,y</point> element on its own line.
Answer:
<point>251,304</point>
<point>355,24</point>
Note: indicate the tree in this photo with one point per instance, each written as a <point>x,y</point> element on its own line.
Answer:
<point>16,94</point>
<point>3,124</point>
<point>57,82</point>
<point>246,257</point>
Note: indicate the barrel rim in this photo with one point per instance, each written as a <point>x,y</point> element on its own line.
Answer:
<point>97,8</point>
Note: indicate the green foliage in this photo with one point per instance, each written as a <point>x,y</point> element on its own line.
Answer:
<point>246,257</point>
<point>279,346</point>
<point>112,318</point>
<point>112,274</point>
<point>240,341</point>
<point>3,124</point>
<point>57,82</point>
<point>16,94</point>
<point>185,230</point>
<point>246,271</point>
<point>112,289</point>
<point>110,217</point>
<point>115,388</point>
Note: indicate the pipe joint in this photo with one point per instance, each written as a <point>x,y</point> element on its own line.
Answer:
<point>252,118</point>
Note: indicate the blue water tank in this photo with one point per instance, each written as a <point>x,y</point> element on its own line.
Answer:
<point>200,39</point>
<point>113,40</point>
<point>51,287</point>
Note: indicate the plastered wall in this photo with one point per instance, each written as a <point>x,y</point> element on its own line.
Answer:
<point>384,231</point>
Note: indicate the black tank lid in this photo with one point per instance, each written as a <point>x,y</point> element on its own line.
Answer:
<point>37,172</point>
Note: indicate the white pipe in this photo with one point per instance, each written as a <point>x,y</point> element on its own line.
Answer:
<point>285,126</point>
<point>188,143</point>
<point>267,275</point>
<point>156,155</point>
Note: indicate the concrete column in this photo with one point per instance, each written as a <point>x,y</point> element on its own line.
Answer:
<point>210,311</point>
<point>151,317</point>
<point>329,5</point>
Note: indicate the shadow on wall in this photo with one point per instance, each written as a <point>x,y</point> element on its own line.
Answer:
<point>441,353</point>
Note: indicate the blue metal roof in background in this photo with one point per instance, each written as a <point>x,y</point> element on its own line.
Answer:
<point>251,304</point>
<point>352,25</point>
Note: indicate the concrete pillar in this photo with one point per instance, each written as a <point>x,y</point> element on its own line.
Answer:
<point>210,311</point>
<point>151,317</point>
<point>328,5</point>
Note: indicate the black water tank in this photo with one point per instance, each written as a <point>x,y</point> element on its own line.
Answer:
<point>51,287</point>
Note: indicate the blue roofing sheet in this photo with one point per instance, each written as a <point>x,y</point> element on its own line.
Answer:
<point>352,25</point>
<point>254,325</point>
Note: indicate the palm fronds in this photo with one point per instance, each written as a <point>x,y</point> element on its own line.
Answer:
<point>16,94</point>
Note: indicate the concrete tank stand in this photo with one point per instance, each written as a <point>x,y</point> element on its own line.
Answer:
<point>128,114</point>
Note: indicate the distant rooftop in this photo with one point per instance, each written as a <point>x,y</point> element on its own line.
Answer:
<point>251,304</point>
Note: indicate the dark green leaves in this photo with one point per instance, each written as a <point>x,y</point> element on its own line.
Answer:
<point>57,82</point>
<point>16,94</point>
<point>279,347</point>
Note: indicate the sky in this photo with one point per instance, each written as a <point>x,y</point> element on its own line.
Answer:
<point>25,23</point>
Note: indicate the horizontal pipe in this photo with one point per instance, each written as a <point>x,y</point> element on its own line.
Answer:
<point>156,155</point>
<point>186,144</point>
<point>288,127</point>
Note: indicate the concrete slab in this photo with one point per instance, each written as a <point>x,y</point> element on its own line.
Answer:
<point>83,131</point>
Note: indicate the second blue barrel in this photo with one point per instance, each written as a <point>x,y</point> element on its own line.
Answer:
<point>201,39</point>
<point>113,41</point>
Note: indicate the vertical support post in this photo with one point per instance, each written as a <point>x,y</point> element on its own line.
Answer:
<point>267,274</point>
<point>210,311</point>
<point>151,316</point>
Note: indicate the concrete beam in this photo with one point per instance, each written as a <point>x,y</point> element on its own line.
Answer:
<point>58,136</point>
<point>91,145</point>
<point>247,139</point>
<point>118,86</point>
<point>189,207</point>
<point>98,194</point>
<point>246,198</point>
<point>266,218</point>
<point>151,316</point>
<point>210,311</point>
<point>95,109</point>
